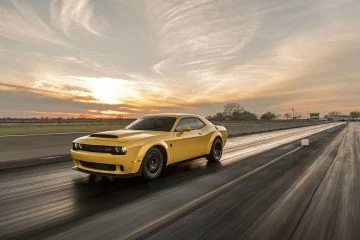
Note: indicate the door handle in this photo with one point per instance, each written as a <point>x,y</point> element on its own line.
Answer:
<point>199,133</point>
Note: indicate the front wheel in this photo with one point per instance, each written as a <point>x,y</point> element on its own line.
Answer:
<point>153,164</point>
<point>216,151</point>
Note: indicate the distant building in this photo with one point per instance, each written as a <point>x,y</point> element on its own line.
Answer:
<point>314,116</point>
<point>341,118</point>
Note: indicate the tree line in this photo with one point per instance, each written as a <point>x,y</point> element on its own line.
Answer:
<point>236,112</point>
<point>353,114</point>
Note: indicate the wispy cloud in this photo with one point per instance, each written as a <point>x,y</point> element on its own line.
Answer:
<point>69,14</point>
<point>19,22</point>
<point>200,37</point>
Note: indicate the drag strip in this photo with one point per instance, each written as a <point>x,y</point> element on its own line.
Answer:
<point>45,199</point>
<point>310,195</point>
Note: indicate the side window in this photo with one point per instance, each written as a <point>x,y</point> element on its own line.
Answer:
<point>186,121</point>
<point>199,123</point>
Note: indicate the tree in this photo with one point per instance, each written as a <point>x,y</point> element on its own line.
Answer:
<point>298,116</point>
<point>230,108</point>
<point>219,117</point>
<point>248,116</point>
<point>355,114</point>
<point>287,116</point>
<point>268,116</point>
<point>333,114</point>
<point>236,116</point>
<point>243,116</point>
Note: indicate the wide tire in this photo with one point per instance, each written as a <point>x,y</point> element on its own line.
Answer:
<point>216,151</point>
<point>153,164</point>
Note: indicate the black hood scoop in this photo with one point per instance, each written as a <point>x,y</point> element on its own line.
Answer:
<point>102,135</point>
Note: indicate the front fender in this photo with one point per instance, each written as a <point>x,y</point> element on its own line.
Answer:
<point>145,148</point>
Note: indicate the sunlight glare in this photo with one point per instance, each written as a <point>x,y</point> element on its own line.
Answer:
<point>110,90</point>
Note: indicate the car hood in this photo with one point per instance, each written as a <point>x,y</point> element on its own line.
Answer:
<point>123,136</point>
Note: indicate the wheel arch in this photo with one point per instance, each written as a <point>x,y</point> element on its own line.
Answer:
<point>212,139</point>
<point>164,152</point>
<point>162,146</point>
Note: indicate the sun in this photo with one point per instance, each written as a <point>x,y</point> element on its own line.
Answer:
<point>107,92</point>
<point>110,90</point>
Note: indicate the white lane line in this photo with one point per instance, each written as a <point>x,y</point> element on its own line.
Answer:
<point>50,157</point>
<point>40,134</point>
<point>153,224</point>
<point>241,141</point>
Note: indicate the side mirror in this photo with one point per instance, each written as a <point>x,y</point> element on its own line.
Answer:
<point>185,128</point>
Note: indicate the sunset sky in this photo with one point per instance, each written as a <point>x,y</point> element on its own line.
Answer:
<point>120,57</point>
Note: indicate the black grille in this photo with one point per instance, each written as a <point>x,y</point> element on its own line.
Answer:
<point>99,135</point>
<point>96,148</point>
<point>99,166</point>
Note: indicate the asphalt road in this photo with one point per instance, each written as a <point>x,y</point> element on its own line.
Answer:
<point>16,150</point>
<point>266,187</point>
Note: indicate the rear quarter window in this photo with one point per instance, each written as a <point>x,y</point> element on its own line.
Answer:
<point>199,123</point>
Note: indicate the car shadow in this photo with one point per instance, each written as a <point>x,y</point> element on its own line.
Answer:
<point>94,194</point>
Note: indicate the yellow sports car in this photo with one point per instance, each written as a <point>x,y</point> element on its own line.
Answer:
<point>148,145</point>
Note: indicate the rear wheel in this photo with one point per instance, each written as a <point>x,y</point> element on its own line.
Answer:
<point>153,164</point>
<point>216,151</point>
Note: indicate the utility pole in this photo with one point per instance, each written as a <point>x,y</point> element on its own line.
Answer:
<point>293,111</point>
<point>307,114</point>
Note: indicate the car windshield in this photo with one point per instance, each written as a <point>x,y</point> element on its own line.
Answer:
<point>153,124</point>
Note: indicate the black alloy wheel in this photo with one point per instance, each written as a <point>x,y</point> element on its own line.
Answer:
<point>216,151</point>
<point>153,164</point>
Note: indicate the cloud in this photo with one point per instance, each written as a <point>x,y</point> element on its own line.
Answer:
<point>199,37</point>
<point>183,55</point>
<point>19,22</point>
<point>112,112</point>
<point>68,14</point>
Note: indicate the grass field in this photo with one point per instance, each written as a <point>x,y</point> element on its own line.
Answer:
<point>234,128</point>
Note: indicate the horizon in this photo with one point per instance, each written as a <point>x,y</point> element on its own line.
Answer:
<point>64,58</point>
<point>119,117</point>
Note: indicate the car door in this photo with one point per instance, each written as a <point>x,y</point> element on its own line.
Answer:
<point>186,144</point>
<point>204,136</point>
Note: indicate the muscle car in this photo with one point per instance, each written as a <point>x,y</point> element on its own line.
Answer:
<point>148,145</point>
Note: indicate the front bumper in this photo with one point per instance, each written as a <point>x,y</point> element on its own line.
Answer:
<point>106,174</point>
<point>105,163</point>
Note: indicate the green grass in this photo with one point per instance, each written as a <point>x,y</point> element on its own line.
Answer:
<point>20,130</point>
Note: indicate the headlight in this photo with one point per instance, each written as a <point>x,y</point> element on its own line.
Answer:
<point>77,146</point>
<point>120,150</point>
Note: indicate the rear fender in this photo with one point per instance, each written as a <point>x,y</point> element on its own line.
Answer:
<point>215,135</point>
